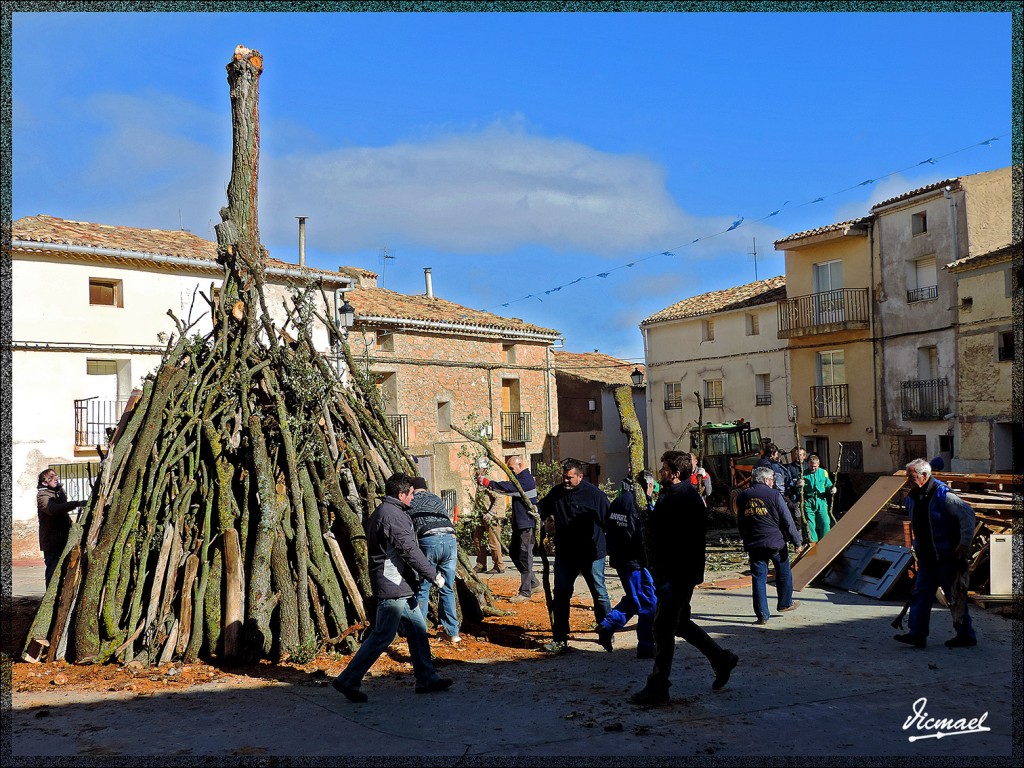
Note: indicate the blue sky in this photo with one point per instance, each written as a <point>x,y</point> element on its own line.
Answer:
<point>514,154</point>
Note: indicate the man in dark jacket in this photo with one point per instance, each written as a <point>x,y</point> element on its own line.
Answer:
<point>676,545</point>
<point>52,506</point>
<point>624,534</point>
<point>765,526</point>
<point>943,526</point>
<point>523,524</point>
<point>579,510</point>
<point>771,459</point>
<point>396,565</point>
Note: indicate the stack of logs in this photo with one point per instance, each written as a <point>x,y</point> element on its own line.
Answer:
<point>227,521</point>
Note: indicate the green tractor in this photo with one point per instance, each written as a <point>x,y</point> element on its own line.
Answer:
<point>722,446</point>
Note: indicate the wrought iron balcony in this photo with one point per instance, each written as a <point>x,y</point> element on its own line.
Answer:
<point>922,294</point>
<point>843,309</point>
<point>763,400</point>
<point>515,427</point>
<point>95,420</point>
<point>830,403</point>
<point>399,423</point>
<point>924,400</point>
<point>672,403</point>
<point>714,402</point>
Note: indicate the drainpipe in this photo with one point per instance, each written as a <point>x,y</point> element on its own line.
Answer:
<point>875,316</point>
<point>547,393</point>
<point>953,222</point>
<point>302,240</point>
<point>651,454</point>
<point>429,282</point>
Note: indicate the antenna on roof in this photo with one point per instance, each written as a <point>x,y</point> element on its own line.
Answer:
<point>180,225</point>
<point>754,254</point>
<point>384,256</point>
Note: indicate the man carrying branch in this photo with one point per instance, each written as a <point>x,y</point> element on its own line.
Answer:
<point>521,544</point>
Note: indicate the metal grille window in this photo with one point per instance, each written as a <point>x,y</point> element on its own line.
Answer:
<point>450,499</point>
<point>673,395</point>
<point>515,427</point>
<point>763,389</point>
<point>924,399</point>
<point>852,456</point>
<point>713,394</point>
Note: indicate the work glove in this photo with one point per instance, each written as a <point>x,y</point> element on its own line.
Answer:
<point>83,503</point>
<point>701,472</point>
<point>439,581</point>
<point>832,490</point>
<point>483,481</point>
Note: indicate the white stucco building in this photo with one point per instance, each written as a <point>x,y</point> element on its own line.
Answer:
<point>90,321</point>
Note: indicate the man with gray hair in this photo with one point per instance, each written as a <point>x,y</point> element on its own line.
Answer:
<point>943,527</point>
<point>765,526</point>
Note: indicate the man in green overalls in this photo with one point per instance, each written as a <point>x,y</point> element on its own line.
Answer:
<point>817,487</point>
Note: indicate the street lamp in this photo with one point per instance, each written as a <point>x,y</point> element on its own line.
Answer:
<point>346,315</point>
<point>637,376</point>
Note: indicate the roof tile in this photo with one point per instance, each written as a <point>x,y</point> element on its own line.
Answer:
<point>750,295</point>
<point>594,366</point>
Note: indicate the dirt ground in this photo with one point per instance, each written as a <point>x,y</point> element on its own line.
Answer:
<point>519,634</point>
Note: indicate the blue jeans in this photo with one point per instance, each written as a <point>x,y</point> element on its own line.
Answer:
<point>639,600</point>
<point>392,612</point>
<point>566,571</point>
<point>759,558</point>
<point>442,552</point>
<point>931,576</point>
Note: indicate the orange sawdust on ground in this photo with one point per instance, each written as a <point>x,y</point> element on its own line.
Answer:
<point>517,635</point>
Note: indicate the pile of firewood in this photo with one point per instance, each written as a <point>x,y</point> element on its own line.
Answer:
<point>227,522</point>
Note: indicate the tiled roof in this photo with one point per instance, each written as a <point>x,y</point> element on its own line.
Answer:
<point>162,242</point>
<point>594,366</point>
<point>842,226</point>
<point>395,307</point>
<point>49,229</point>
<point>1006,253</point>
<point>750,295</point>
<point>916,192</point>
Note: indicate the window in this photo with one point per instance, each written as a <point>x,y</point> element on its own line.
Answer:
<point>713,393</point>
<point>673,395</point>
<point>383,341</point>
<point>1006,349</point>
<point>919,223</point>
<point>922,282</point>
<point>946,444</point>
<point>105,292</point>
<point>444,416</point>
<point>707,328</point>
<point>508,354</point>
<point>829,399</point>
<point>927,363</point>
<point>851,456</point>
<point>762,389</point>
<point>450,500</point>
<point>753,324</point>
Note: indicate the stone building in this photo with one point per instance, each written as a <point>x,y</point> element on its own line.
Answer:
<point>589,425</point>
<point>439,364</point>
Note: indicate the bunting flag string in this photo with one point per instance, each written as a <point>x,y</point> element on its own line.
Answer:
<point>741,221</point>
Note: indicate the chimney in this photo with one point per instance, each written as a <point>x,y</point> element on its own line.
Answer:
<point>430,284</point>
<point>302,240</point>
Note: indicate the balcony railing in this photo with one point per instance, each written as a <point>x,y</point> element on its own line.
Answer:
<point>763,400</point>
<point>515,427</point>
<point>399,423</point>
<point>94,417</point>
<point>831,402</point>
<point>714,402</point>
<point>825,312</point>
<point>672,403</point>
<point>922,294</point>
<point>924,400</point>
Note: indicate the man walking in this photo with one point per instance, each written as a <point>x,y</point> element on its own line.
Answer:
<point>52,506</point>
<point>396,564</point>
<point>624,534</point>
<point>436,536</point>
<point>579,510</point>
<point>943,526</point>
<point>523,524</point>
<point>676,542</point>
<point>816,487</point>
<point>765,527</point>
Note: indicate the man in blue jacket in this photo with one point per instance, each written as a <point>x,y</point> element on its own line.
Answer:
<point>624,534</point>
<point>523,524</point>
<point>396,566</point>
<point>765,526</point>
<point>943,527</point>
<point>678,551</point>
<point>579,510</point>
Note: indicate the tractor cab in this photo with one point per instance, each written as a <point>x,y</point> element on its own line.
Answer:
<point>718,445</point>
